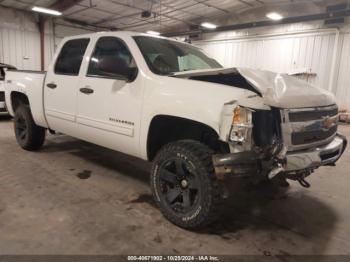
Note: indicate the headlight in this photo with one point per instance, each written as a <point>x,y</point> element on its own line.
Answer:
<point>241,125</point>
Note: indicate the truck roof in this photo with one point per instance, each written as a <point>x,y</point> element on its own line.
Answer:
<point>121,33</point>
<point>116,33</point>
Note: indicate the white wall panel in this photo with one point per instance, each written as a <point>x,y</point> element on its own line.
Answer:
<point>282,49</point>
<point>343,81</point>
<point>287,49</point>
<point>19,39</point>
<point>284,54</point>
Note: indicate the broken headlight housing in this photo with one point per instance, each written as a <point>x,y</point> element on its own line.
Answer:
<point>241,129</point>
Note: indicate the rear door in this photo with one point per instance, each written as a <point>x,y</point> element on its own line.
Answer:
<point>60,88</point>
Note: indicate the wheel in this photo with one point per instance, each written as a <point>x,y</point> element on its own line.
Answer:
<point>184,185</point>
<point>28,135</point>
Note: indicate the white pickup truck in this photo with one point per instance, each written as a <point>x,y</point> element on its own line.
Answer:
<point>167,102</point>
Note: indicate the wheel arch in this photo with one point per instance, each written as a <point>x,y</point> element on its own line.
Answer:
<point>164,129</point>
<point>33,100</point>
<point>18,98</point>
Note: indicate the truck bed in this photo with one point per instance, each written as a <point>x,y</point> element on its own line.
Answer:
<point>29,83</point>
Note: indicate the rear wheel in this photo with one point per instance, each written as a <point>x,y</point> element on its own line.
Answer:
<point>28,135</point>
<point>184,185</point>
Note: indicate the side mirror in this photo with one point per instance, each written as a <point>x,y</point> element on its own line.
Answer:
<point>116,68</point>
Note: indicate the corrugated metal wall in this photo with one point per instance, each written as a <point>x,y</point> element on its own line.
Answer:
<point>286,49</point>
<point>22,48</point>
<point>20,39</point>
<point>343,81</point>
<point>288,52</point>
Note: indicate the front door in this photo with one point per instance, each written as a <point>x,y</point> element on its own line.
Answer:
<point>60,87</point>
<point>109,107</point>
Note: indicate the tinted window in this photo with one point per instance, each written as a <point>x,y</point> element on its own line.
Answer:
<point>165,57</point>
<point>110,47</point>
<point>71,56</point>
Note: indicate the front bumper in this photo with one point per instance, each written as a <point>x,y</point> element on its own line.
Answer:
<point>321,156</point>
<point>247,163</point>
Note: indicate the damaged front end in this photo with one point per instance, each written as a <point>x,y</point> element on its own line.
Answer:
<point>285,127</point>
<point>274,143</point>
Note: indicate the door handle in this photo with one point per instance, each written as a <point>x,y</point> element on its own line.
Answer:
<point>86,90</point>
<point>51,85</point>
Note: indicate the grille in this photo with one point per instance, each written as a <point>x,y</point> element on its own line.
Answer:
<point>312,136</point>
<point>2,96</point>
<point>307,127</point>
<point>303,116</point>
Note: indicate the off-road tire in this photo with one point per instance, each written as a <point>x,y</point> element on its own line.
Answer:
<point>28,135</point>
<point>208,205</point>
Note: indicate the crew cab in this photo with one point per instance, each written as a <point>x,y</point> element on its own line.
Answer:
<point>168,102</point>
<point>3,68</point>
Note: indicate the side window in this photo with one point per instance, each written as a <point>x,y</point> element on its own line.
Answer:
<point>70,57</point>
<point>111,51</point>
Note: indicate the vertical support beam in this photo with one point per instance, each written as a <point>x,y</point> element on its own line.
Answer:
<point>60,5</point>
<point>42,42</point>
<point>54,34</point>
<point>335,63</point>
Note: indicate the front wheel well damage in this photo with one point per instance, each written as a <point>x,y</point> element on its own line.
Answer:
<point>165,129</point>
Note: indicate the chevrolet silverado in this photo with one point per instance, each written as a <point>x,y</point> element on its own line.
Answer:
<point>169,103</point>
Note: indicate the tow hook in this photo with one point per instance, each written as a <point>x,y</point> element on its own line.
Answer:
<point>303,182</point>
<point>276,171</point>
<point>279,162</point>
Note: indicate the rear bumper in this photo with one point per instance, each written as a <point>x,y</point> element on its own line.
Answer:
<point>247,163</point>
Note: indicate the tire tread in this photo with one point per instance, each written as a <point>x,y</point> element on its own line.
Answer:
<point>36,133</point>
<point>203,155</point>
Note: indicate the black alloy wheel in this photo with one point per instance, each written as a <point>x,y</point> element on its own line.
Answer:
<point>28,135</point>
<point>179,184</point>
<point>184,185</point>
<point>21,129</point>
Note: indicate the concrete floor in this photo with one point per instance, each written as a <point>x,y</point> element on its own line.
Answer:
<point>76,198</point>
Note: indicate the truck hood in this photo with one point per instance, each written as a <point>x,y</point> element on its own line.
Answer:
<point>277,90</point>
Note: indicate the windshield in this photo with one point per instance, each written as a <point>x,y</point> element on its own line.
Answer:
<point>165,57</point>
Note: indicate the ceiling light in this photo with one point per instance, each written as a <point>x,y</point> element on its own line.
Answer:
<point>153,33</point>
<point>208,25</point>
<point>46,11</point>
<point>274,16</point>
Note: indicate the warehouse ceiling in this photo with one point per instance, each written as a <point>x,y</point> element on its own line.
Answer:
<point>166,15</point>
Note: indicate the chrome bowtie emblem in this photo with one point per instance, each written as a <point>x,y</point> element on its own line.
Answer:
<point>328,122</point>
